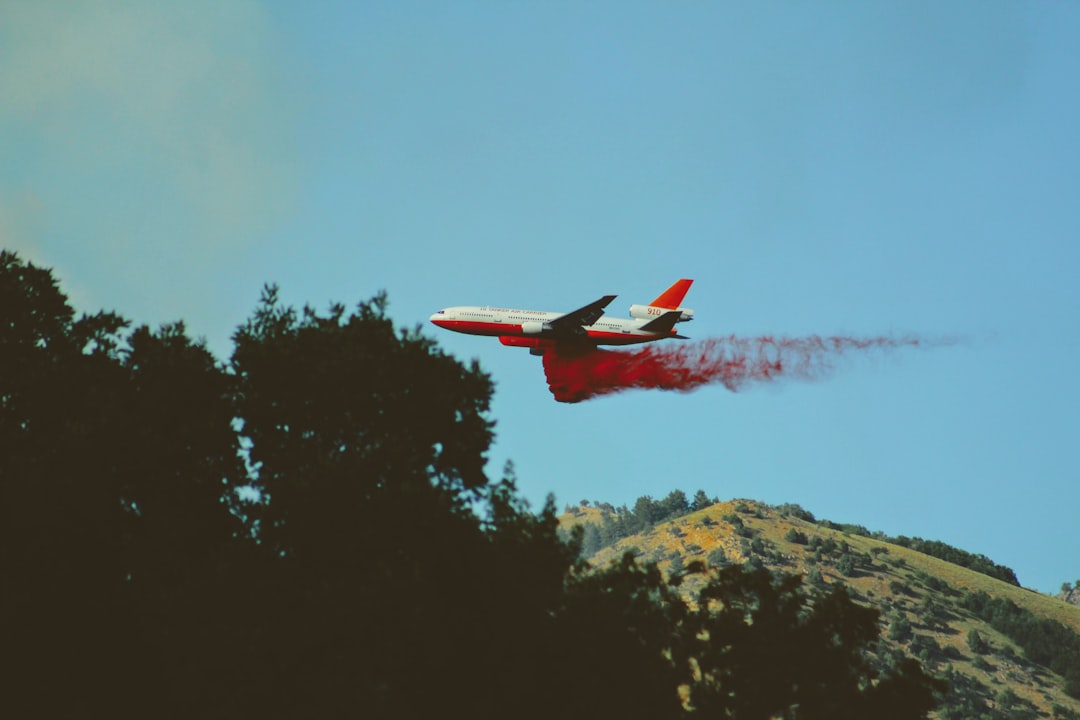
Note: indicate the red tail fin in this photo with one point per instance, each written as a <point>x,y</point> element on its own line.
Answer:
<point>670,298</point>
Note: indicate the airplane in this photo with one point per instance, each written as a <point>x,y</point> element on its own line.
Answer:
<point>577,330</point>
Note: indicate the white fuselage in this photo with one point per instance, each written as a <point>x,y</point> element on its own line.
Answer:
<point>506,322</point>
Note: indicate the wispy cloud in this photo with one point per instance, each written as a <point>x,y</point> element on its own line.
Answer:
<point>145,140</point>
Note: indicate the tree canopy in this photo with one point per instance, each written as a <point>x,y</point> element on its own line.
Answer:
<point>308,529</point>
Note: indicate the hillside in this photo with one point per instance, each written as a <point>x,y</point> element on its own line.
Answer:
<point>930,608</point>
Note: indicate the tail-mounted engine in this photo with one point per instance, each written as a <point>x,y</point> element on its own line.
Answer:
<point>651,312</point>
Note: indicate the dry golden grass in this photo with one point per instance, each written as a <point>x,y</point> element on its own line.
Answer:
<point>893,567</point>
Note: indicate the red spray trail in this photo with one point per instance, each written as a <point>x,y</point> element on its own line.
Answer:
<point>732,361</point>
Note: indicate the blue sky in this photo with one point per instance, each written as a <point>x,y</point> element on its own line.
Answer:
<point>859,168</point>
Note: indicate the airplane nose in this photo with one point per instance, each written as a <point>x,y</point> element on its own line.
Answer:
<point>437,318</point>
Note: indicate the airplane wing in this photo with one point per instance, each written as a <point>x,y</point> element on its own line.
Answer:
<point>573,322</point>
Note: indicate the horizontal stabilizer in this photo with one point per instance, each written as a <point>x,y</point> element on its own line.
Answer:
<point>663,324</point>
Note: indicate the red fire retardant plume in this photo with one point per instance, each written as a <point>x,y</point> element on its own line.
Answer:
<point>733,362</point>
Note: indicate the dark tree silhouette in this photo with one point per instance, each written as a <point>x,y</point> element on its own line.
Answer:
<point>308,530</point>
<point>701,501</point>
<point>766,650</point>
<point>118,453</point>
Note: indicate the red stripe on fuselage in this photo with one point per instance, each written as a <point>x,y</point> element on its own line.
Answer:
<point>613,338</point>
<point>472,327</point>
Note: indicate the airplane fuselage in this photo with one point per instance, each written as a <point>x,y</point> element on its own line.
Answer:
<point>586,326</point>
<point>506,322</point>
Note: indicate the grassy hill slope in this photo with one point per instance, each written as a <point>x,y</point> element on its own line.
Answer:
<point>921,598</point>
